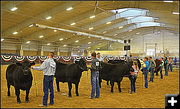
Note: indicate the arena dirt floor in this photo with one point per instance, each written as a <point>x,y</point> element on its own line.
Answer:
<point>152,97</point>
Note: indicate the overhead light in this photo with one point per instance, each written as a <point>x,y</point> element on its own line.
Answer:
<point>28,42</point>
<point>91,28</point>
<point>108,22</point>
<point>137,33</point>
<point>14,9</point>
<point>31,25</point>
<point>64,45</point>
<point>73,23</point>
<point>168,1</point>
<point>92,16</point>
<point>98,48</point>
<point>89,37</point>
<point>77,41</point>
<point>41,36</point>
<point>55,30</point>
<point>129,17</point>
<point>15,32</point>
<point>78,46</point>
<point>130,30</point>
<point>89,42</point>
<point>89,47</point>
<point>49,17</point>
<point>61,39</point>
<point>104,31</point>
<point>176,13</point>
<point>115,34</point>
<point>70,8</point>
<point>120,27</point>
<point>48,43</point>
<point>2,39</point>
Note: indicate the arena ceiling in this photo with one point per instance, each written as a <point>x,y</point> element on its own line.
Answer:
<point>101,22</point>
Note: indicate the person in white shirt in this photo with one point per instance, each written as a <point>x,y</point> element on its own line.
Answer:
<point>99,57</point>
<point>48,67</point>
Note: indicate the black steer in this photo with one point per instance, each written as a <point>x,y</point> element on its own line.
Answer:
<point>19,75</point>
<point>157,68</point>
<point>115,72</point>
<point>70,73</point>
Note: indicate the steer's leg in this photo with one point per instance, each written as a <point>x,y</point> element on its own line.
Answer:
<point>100,80</point>
<point>17,91</point>
<point>107,82</point>
<point>27,95</point>
<point>57,84</point>
<point>76,85</point>
<point>8,85</point>
<point>70,87</point>
<point>119,84</point>
<point>112,85</point>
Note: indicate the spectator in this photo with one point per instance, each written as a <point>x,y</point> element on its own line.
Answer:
<point>152,68</point>
<point>170,61</point>
<point>175,60</point>
<point>161,67</point>
<point>99,57</point>
<point>133,77</point>
<point>166,66</point>
<point>145,71</point>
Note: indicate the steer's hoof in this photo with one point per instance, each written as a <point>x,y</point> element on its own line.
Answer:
<point>27,101</point>
<point>18,102</point>
<point>70,96</point>
<point>77,94</point>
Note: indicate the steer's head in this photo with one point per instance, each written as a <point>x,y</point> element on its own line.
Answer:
<point>82,64</point>
<point>25,67</point>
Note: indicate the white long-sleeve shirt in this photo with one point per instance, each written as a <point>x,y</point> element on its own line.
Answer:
<point>48,67</point>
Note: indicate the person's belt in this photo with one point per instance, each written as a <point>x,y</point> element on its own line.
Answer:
<point>49,75</point>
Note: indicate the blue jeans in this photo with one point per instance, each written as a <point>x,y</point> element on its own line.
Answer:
<point>166,70</point>
<point>145,72</point>
<point>170,67</point>
<point>95,84</point>
<point>48,85</point>
<point>152,74</point>
<point>133,82</point>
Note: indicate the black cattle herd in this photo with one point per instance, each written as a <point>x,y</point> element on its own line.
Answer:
<point>19,74</point>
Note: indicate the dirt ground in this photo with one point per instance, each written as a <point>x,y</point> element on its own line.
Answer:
<point>152,97</point>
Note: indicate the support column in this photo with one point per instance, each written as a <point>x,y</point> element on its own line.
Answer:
<point>58,51</point>
<point>21,51</point>
<point>42,52</point>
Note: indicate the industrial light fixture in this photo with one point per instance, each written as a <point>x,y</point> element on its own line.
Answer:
<point>108,22</point>
<point>89,37</point>
<point>129,17</point>
<point>115,34</point>
<point>98,48</point>
<point>104,31</point>
<point>48,43</point>
<point>77,41</point>
<point>28,42</point>
<point>55,30</point>
<point>73,23</point>
<point>120,27</point>
<point>175,13</point>
<point>15,32</point>
<point>49,17</point>
<point>2,39</point>
<point>168,1</point>
<point>91,28</point>
<point>64,45</point>
<point>14,9</point>
<point>41,36</point>
<point>130,30</point>
<point>137,33</point>
<point>61,39</point>
<point>31,25</point>
<point>70,8</point>
<point>91,17</point>
<point>89,47</point>
<point>89,42</point>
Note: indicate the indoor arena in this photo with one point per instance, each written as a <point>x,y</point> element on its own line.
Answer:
<point>89,54</point>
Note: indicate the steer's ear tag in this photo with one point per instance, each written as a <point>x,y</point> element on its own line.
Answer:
<point>97,63</point>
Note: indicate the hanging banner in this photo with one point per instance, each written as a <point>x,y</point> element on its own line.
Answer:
<point>88,58</point>
<point>31,58</point>
<point>6,58</point>
<point>66,58</point>
<point>117,58</point>
<point>110,58</point>
<point>42,58</point>
<point>19,58</point>
<point>57,58</point>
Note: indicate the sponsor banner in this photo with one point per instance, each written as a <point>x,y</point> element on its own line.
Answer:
<point>31,58</point>
<point>6,58</point>
<point>19,58</point>
<point>57,58</point>
<point>88,58</point>
<point>77,58</point>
